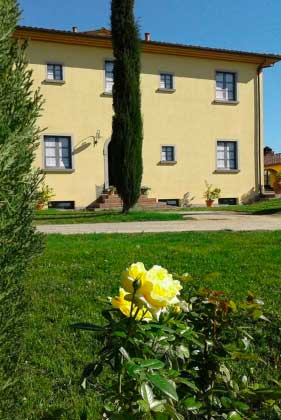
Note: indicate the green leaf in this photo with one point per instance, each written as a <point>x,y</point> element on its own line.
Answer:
<point>120,334</point>
<point>187,383</point>
<point>241,406</point>
<point>192,404</point>
<point>147,394</point>
<point>151,364</point>
<point>226,402</point>
<point>232,306</point>
<point>173,412</point>
<point>234,416</point>
<point>109,406</point>
<point>132,368</point>
<point>143,406</point>
<point>124,353</point>
<point>158,406</point>
<point>268,394</point>
<point>256,314</point>
<point>87,326</point>
<point>165,386</point>
<point>182,352</point>
<point>161,416</point>
<point>244,356</point>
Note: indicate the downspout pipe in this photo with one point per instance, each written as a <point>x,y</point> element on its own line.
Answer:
<point>259,71</point>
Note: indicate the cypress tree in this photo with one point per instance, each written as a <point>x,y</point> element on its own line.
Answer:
<point>19,109</point>
<point>127,132</point>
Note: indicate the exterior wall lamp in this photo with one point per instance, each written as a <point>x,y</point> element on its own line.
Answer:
<point>97,137</point>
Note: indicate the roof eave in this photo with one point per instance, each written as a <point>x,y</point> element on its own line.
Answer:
<point>153,47</point>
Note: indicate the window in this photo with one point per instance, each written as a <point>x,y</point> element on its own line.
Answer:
<point>170,201</point>
<point>54,72</point>
<point>228,201</point>
<point>167,154</point>
<point>227,155</point>
<point>57,152</point>
<point>67,205</point>
<point>109,77</point>
<point>166,81</point>
<point>225,86</point>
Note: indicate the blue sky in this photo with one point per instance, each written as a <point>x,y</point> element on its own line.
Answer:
<point>248,25</point>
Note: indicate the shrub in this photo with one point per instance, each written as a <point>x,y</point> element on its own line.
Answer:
<point>19,109</point>
<point>177,358</point>
<point>187,199</point>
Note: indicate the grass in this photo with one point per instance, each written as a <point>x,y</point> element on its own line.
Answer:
<point>46,217</point>
<point>260,207</point>
<point>65,282</point>
<point>68,217</point>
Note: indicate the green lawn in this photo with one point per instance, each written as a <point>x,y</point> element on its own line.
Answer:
<point>68,217</point>
<point>83,216</point>
<point>260,207</point>
<point>66,281</point>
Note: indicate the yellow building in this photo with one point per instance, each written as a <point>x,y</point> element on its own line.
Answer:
<point>272,166</point>
<point>202,113</point>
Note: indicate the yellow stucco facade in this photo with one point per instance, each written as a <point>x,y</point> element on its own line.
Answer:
<point>270,172</point>
<point>188,118</point>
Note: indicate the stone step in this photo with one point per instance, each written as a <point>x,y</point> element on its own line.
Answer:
<point>108,201</point>
<point>267,195</point>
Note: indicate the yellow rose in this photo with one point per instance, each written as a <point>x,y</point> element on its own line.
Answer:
<point>120,302</point>
<point>160,289</point>
<point>136,271</point>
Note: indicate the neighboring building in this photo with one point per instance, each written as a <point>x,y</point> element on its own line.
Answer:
<point>272,165</point>
<point>202,113</point>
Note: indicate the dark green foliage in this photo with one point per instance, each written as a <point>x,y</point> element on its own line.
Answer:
<point>19,109</point>
<point>126,142</point>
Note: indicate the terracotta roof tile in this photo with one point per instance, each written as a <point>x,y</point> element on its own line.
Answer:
<point>106,33</point>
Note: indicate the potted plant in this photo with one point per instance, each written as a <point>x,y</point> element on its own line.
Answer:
<point>145,190</point>
<point>211,194</point>
<point>111,190</point>
<point>44,196</point>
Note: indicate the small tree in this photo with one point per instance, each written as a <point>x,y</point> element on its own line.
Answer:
<point>19,110</point>
<point>127,134</point>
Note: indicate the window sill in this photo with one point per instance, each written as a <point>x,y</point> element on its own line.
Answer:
<point>167,162</point>
<point>162,90</point>
<point>53,82</point>
<point>107,94</point>
<point>222,102</point>
<point>226,171</point>
<point>58,171</point>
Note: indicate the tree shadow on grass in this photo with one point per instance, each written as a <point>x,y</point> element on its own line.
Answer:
<point>57,413</point>
<point>267,211</point>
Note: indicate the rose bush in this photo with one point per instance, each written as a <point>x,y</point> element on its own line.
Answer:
<point>175,358</point>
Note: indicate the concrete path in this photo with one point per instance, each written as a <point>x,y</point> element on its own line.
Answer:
<point>200,222</point>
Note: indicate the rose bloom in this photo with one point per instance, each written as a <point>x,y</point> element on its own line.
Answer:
<point>136,271</point>
<point>120,302</point>
<point>156,290</point>
<point>160,289</point>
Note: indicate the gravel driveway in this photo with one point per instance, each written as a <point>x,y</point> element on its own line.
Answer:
<point>200,222</point>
